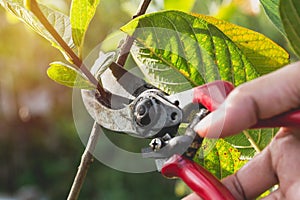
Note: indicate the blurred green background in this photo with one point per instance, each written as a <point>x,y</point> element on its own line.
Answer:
<point>39,147</point>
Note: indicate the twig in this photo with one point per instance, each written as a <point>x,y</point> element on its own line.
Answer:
<point>86,160</point>
<point>125,49</point>
<point>87,156</point>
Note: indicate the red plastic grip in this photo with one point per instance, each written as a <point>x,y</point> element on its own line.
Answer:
<point>291,118</point>
<point>213,94</point>
<point>197,178</point>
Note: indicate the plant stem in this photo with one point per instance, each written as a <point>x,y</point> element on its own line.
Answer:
<point>86,160</point>
<point>125,49</point>
<point>87,156</point>
<point>34,8</point>
<point>252,142</point>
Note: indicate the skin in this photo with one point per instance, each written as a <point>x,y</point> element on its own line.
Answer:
<point>279,162</point>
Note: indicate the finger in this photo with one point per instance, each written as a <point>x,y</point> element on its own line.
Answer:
<point>285,157</point>
<point>261,98</point>
<point>254,178</point>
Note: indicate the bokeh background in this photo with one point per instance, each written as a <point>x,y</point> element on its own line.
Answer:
<point>39,147</point>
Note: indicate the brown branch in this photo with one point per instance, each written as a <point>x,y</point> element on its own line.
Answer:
<point>86,160</point>
<point>87,157</point>
<point>125,49</point>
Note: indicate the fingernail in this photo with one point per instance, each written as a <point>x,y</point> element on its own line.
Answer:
<point>202,126</point>
<point>212,125</point>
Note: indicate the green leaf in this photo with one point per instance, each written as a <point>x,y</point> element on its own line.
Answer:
<point>290,15</point>
<point>60,21</point>
<point>68,76</point>
<point>82,12</point>
<point>176,50</point>
<point>261,51</point>
<point>181,50</point>
<point>182,5</point>
<point>219,157</point>
<point>271,8</point>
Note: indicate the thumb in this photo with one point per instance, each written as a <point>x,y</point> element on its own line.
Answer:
<point>261,98</point>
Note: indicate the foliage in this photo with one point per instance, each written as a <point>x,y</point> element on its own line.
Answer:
<point>272,10</point>
<point>290,15</point>
<point>262,52</point>
<point>220,157</point>
<point>82,12</point>
<point>68,76</point>
<point>286,17</point>
<point>198,49</point>
<point>182,5</point>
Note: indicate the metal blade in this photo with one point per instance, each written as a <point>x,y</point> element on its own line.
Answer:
<point>117,120</point>
<point>130,82</point>
<point>149,115</point>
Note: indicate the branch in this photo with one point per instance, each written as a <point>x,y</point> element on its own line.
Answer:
<point>86,160</point>
<point>125,49</point>
<point>87,156</point>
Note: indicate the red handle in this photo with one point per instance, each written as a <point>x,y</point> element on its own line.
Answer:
<point>212,95</point>
<point>291,118</point>
<point>197,178</point>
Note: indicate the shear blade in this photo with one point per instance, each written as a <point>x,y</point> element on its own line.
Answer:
<point>130,82</point>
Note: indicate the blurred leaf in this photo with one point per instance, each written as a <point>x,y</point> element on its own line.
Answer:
<point>182,5</point>
<point>227,11</point>
<point>181,189</point>
<point>271,8</point>
<point>82,12</point>
<point>290,15</point>
<point>27,4</point>
<point>261,51</point>
<point>60,21</point>
<point>219,157</point>
<point>68,76</point>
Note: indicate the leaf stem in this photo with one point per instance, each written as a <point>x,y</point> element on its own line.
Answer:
<point>252,142</point>
<point>34,8</point>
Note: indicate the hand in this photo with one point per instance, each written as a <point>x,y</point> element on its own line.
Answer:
<point>279,162</point>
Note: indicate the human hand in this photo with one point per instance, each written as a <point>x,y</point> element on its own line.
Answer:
<point>262,98</point>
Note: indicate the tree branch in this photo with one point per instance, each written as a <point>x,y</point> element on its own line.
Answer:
<point>86,160</point>
<point>87,157</point>
<point>125,49</point>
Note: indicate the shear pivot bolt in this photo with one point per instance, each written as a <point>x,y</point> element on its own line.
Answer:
<point>141,110</point>
<point>156,144</point>
<point>144,112</point>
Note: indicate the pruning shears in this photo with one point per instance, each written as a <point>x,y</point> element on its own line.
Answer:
<point>148,112</point>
